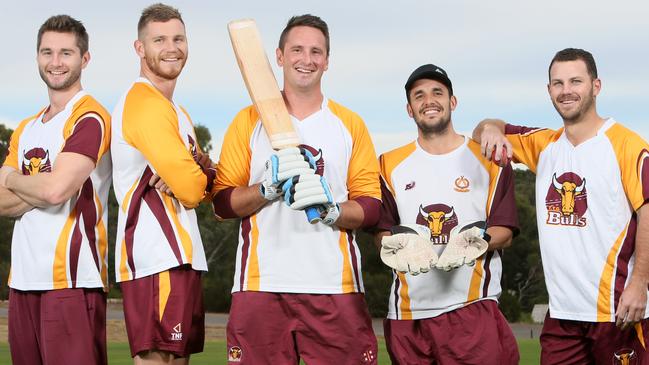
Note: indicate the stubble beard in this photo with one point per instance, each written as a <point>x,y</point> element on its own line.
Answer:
<point>436,129</point>
<point>73,77</point>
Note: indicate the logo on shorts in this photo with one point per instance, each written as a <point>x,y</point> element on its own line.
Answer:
<point>625,357</point>
<point>567,200</point>
<point>440,219</point>
<point>234,354</point>
<point>462,184</point>
<point>369,356</point>
<point>177,334</point>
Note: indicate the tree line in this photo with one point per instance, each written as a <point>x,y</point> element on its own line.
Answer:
<point>523,283</point>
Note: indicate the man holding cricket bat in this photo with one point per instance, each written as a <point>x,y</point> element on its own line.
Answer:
<point>158,182</point>
<point>298,290</point>
<point>432,189</point>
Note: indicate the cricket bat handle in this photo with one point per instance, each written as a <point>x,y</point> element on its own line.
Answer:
<point>313,214</point>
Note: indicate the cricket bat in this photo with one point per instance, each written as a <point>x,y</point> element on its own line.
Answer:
<point>263,89</point>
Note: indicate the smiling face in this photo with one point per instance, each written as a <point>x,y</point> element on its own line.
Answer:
<point>572,90</point>
<point>430,105</point>
<point>60,60</point>
<point>304,58</point>
<point>163,48</point>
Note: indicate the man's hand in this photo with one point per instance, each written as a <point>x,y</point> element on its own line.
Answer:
<point>283,165</point>
<point>157,183</point>
<point>493,143</point>
<point>410,251</point>
<point>463,248</point>
<point>632,305</point>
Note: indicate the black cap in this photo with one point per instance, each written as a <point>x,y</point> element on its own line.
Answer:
<point>430,72</point>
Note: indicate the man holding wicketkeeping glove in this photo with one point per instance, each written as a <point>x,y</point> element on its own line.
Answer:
<point>446,270</point>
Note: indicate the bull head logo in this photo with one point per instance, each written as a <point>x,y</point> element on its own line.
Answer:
<point>35,161</point>
<point>624,357</point>
<point>234,354</point>
<point>436,219</point>
<point>568,191</point>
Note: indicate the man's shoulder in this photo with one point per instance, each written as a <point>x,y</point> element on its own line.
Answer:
<point>342,112</point>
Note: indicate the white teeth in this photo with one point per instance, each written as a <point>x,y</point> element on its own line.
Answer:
<point>303,70</point>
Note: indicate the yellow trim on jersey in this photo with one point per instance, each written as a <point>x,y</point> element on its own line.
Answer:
<point>102,242</point>
<point>494,173</point>
<point>59,270</point>
<point>11,159</point>
<point>527,147</point>
<point>604,307</point>
<point>630,151</point>
<point>123,268</point>
<point>363,169</point>
<point>253,260</point>
<point>164,289</point>
<point>476,280</point>
<point>388,161</point>
<point>185,239</point>
<point>127,197</point>
<point>347,276</point>
<point>9,277</point>
<point>404,306</point>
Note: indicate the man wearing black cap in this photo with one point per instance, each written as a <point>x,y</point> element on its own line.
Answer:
<point>431,188</point>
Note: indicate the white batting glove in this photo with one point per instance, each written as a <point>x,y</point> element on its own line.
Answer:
<point>307,190</point>
<point>410,251</point>
<point>283,165</point>
<point>463,248</point>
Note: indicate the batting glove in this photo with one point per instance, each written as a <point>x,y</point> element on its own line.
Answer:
<point>409,249</point>
<point>303,191</point>
<point>463,248</point>
<point>285,164</point>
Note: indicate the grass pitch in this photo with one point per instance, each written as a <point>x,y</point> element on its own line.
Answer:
<point>215,353</point>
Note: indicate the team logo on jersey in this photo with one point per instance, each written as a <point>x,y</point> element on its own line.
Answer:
<point>440,219</point>
<point>567,200</point>
<point>317,156</point>
<point>462,184</point>
<point>625,357</point>
<point>234,354</point>
<point>410,185</point>
<point>177,333</point>
<point>36,160</point>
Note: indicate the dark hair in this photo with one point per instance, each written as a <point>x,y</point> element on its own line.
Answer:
<point>157,13</point>
<point>64,24</point>
<point>306,20</point>
<point>574,54</point>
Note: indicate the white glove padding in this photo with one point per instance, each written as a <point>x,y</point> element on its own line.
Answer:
<point>283,165</point>
<point>409,252</point>
<point>329,213</point>
<point>307,190</point>
<point>463,248</point>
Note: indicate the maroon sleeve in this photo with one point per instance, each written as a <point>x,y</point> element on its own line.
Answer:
<point>517,129</point>
<point>388,213</point>
<point>371,210</point>
<point>222,206</point>
<point>503,207</point>
<point>86,138</point>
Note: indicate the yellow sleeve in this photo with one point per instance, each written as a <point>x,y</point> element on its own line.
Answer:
<point>363,170</point>
<point>234,162</point>
<point>528,143</point>
<point>12,154</point>
<point>632,153</point>
<point>150,124</point>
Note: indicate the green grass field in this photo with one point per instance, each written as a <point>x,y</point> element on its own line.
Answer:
<point>215,353</point>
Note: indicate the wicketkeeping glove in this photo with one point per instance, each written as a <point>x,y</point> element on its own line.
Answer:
<point>409,249</point>
<point>464,247</point>
<point>283,165</point>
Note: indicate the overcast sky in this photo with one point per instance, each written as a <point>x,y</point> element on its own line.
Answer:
<point>495,52</point>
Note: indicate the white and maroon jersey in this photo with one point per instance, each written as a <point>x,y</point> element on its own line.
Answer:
<point>155,232</point>
<point>442,192</point>
<point>279,250</point>
<point>63,246</point>
<point>586,197</point>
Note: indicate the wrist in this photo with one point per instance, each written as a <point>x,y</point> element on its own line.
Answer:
<point>9,182</point>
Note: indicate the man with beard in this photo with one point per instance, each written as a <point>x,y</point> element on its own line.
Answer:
<point>298,290</point>
<point>158,182</point>
<point>593,176</point>
<point>55,181</point>
<point>431,188</point>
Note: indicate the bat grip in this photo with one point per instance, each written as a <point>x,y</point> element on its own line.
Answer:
<point>313,214</point>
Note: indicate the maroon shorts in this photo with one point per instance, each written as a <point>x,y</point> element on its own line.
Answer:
<point>575,342</point>
<point>164,312</point>
<point>277,328</point>
<point>64,326</point>
<point>475,334</point>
